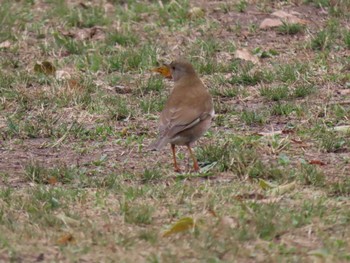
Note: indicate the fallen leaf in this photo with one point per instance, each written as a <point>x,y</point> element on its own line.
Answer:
<point>45,67</point>
<point>280,190</point>
<point>84,5</point>
<point>224,56</point>
<point>290,18</point>
<point>121,89</point>
<point>196,12</point>
<point>272,133</point>
<point>244,54</point>
<point>287,131</point>
<point>62,75</point>
<point>245,33</point>
<point>182,225</point>
<point>265,185</point>
<point>5,44</point>
<point>164,70</point>
<point>97,33</point>
<point>321,252</point>
<point>228,221</point>
<point>212,212</point>
<point>208,167</point>
<point>94,33</point>
<point>52,180</point>
<point>109,8</point>
<point>281,14</point>
<point>270,200</point>
<point>82,34</point>
<point>67,220</point>
<point>124,131</point>
<point>270,23</point>
<point>317,162</point>
<point>74,84</point>
<point>66,33</point>
<point>298,141</point>
<point>343,102</point>
<point>342,128</point>
<point>65,239</point>
<point>296,20</point>
<point>255,196</point>
<point>345,91</point>
<point>295,13</point>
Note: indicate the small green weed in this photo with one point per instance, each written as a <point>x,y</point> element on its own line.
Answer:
<point>275,93</point>
<point>137,213</point>
<point>254,117</point>
<point>39,174</point>
<point>331,141</point>
<point>302,91</point>
<point>311,175</point>
<point>284,109</point>
<point>290,28</point>
<point>340,188</point>
<point>150,175</point>
<point>241,6</point>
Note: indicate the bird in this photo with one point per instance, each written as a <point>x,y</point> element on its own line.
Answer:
<point>187,113</point>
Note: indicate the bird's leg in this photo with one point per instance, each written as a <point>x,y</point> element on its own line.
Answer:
<point>176,167</point>
<point>195,163</point>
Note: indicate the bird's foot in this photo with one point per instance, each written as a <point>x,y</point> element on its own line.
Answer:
<point>196,168</point>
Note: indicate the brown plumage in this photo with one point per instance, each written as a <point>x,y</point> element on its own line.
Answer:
<point>188,112</point>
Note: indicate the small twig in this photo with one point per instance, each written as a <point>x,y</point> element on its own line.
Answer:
<point>339,102</point>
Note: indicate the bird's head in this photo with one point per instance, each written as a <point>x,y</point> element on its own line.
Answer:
<point>180,69</point>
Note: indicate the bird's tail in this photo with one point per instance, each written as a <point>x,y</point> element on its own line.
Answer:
<point>158,144</point>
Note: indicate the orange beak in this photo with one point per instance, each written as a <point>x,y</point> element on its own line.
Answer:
<point>164,70</point>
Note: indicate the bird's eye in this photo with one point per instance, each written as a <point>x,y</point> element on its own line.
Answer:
<point>173,67</point>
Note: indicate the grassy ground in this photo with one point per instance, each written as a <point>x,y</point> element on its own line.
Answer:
<point>76,181</point>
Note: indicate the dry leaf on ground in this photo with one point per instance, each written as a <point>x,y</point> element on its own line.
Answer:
<point>255,196</point>
<point>289,18</point>
<point>65,239</point>
<point>342,128</point>
<point>93,33</point>
<point>265,185</point>
<point>270,200</point>
<point>68,220</point>
<point>230,222</point>
<point>45,67</point>
<point>317,162</point>
<point>244,54</point>
<point>272,133</point>
<point>270,23</point>
<point>5,44</point>
<point>52,180</point>
<point>62,75</point>
<point>121,89</point>
<point>196,12</point>
<point>280,190</point>
<point>181,225</point>
<point>282,16</point>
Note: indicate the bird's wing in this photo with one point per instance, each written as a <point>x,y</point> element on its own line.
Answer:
<point>175,120</point>
<point>172,123</point>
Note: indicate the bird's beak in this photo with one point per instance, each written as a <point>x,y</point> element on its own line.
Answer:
<point>164,70</point>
